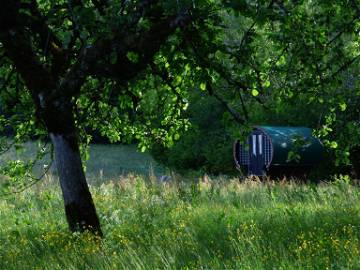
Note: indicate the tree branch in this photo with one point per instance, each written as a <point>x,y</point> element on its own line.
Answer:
<point>93,59</point>
<point>165,77</point>
<point>49,42</point>
<point>226,105</point>
<point>344,67</point>
<point>246,35</point>
<point>342,31</point>
<point>99,5</point>
<point>19,50</point>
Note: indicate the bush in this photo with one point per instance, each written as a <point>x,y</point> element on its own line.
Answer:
<point>206,147</point>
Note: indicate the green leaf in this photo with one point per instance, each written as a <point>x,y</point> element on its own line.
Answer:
<point>343,106</point>
<point>133,57</point>
<point>267,83</point>
<point>333,145</point>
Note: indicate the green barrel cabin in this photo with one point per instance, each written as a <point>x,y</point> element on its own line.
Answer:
<point>278,151</point>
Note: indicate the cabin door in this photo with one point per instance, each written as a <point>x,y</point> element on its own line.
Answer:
<point>256,154</point>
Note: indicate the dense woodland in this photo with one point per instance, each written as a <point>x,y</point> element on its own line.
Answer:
<point>182,79</point>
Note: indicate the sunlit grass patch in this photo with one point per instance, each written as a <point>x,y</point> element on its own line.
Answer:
<point>212,224</point>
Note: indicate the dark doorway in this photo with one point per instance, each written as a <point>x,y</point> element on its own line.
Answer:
<point>256,153</point>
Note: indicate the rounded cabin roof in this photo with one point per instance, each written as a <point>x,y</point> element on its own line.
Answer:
<point>306,148</point>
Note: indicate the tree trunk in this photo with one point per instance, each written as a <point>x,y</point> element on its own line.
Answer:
<point>79,206</point>
<point>355,160</point>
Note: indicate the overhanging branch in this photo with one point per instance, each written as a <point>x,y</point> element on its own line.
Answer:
<point>225,104</point>
<point>94,59</point>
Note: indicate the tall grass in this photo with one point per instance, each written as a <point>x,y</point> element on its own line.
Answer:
<point>206,225</point>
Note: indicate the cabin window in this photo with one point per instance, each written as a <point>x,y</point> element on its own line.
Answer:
<point>254,144</point>
<point>260,144</point>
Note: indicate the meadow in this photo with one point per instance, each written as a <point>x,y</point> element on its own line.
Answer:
<point>203,223</point>
<point>214,224</point>
<point>104,162</point>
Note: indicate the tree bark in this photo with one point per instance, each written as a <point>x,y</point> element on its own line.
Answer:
<point>79,206</point>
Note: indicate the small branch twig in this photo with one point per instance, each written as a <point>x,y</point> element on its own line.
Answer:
<point>34,180</point>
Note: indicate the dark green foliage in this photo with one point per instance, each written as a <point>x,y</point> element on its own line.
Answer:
<point>206,146</point>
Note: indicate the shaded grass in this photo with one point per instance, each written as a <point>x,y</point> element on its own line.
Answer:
<point>105,162</point>
<point>109,162</point>
<point>211,225</point>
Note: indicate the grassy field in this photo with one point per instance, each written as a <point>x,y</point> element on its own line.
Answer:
<point>114,162</point>
<point>106,162</point>
<point>219,224</point>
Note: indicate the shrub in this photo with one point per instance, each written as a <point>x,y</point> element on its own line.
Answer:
<point>206,146</point>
